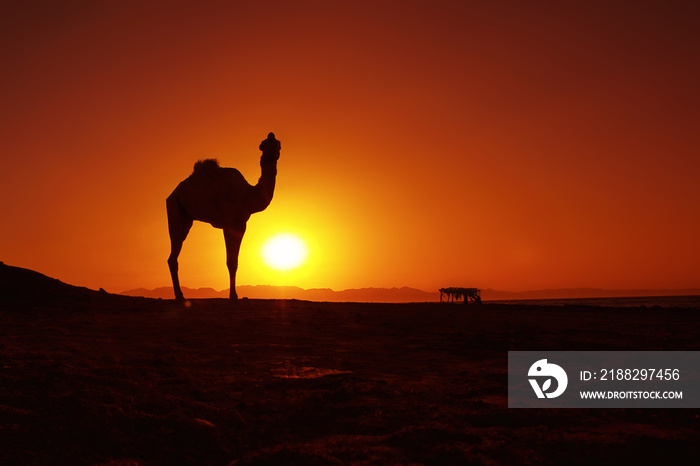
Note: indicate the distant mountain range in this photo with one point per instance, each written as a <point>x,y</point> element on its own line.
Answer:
<point>377,295</point>
<point>25,284</point>
<point>397,295</point>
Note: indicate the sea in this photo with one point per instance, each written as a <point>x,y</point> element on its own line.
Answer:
<point>687,302</point>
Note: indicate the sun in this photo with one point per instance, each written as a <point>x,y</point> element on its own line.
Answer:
<point>284,251</point>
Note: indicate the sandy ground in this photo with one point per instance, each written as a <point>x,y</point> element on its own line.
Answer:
<point>93,378</point>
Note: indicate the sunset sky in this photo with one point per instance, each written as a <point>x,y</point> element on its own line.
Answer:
<point>510,145</point>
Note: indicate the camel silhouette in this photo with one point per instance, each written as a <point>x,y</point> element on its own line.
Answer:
<point>223,198</point>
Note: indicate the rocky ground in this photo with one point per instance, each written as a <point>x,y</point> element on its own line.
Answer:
<point>92,378</point>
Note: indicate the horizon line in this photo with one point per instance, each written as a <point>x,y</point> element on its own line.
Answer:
<point>529,290</point>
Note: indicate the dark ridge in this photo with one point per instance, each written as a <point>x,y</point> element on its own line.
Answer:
<point>23,290</point>
<point>18,285</point>
<point>205,165</point>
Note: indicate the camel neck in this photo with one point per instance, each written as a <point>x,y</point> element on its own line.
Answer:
<point>265,188</point>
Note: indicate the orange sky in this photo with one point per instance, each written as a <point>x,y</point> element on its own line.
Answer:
<point>506,145</point>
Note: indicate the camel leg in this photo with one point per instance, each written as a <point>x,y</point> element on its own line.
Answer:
<point>179,224</point>
<point>233,240</point>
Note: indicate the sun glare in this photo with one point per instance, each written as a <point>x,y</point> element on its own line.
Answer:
<point>284,251</point>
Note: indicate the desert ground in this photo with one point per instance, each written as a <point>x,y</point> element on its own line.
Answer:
<point>88,377</point>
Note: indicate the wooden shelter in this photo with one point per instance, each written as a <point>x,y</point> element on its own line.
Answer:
<point>467,294</point>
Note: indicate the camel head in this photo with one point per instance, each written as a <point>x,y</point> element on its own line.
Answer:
<point>270,148</point>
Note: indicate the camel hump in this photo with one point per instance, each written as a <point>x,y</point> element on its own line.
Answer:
<point>205,165</point>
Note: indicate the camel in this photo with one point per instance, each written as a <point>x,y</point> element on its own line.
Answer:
<point>223,198</point>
